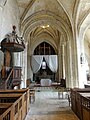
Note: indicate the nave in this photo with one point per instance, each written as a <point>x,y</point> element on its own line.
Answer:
<point>48,106</point>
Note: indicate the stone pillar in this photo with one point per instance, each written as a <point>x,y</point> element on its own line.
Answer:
<point>63,61</point>
<point>68,61</point>
<point>60,59</point>
<point>82,72</point>
<point>59,66</point>
<point>24,67</point>
<point>89,68</point>
<point>81,63</point>
<point>29,58</point>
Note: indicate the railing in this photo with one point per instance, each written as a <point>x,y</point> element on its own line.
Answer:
<point>86,103</point>
<point>8,81</point>
<point>19,108</point>
<point>85,108</point>
<point>15,111</point>
<point>80,103</point>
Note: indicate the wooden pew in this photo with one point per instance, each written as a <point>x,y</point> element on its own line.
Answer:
<point>9,98</point>
<point>85,108</point>
<point>87,86</point>
<point>4,107</point>
<point>79,103</point>
<point>20,103</point>
<point>76,100</point>
<point>19,91</point>
<point>15,111</point>
<point>5,113</point>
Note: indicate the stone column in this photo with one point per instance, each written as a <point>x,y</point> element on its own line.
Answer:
<point>81,63</point>
<point>59,66</point>
<point>89,67</point>
<point>63,61</point>
<point>60,59</point>
<point>68,60</point>
<point>24,67</point>
<point>29,60</point>
<point>82,72</point>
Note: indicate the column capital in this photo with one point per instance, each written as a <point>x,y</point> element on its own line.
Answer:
<point>63,43</point>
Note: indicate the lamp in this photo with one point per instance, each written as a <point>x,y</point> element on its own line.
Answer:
<point>44,26</point>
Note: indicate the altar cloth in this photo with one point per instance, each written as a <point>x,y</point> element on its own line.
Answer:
<point>45,82</point>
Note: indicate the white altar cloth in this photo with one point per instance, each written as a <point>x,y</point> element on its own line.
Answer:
<point>45,82</point>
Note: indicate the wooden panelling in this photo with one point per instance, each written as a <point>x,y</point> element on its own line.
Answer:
<point>17,108</point>
<point>76,101</point>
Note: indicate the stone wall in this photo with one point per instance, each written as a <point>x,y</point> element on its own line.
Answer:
<point>9,16</point>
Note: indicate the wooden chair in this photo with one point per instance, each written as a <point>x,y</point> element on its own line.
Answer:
<point>32,95</point>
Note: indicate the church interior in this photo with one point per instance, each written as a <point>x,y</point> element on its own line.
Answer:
<point>44,59</point>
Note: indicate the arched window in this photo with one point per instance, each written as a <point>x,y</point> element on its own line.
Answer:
<point>44,49</point>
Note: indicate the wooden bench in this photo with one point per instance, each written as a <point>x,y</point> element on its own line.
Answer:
<point>85,108</point>
<point>19,91</point>
<point>79,103</point>
<point>76,100</point>
<point>4,107</point>
<point>20,104</point>
<point>15,111</point>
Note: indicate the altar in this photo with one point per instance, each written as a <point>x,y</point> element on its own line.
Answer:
<point>50,67</point>
<point>45,82</point>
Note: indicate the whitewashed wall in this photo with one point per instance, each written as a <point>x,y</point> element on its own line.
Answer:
<point>9,16</point>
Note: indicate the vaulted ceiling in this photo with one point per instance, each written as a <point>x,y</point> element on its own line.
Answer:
<point>65,12</point>
<point>68,6</point>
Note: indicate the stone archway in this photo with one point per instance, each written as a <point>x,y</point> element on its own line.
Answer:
<point>44,49</point>
<point>34,34</point>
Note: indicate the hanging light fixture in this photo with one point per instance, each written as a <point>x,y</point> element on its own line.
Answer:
<point>44,26</point>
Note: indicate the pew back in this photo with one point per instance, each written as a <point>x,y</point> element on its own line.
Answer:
<point>76,100</point>
<point>19,101</point>
<point>19,92</point>
<point>85,108</point>
<point>74,96</point>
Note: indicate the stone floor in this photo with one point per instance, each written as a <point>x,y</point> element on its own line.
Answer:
<point>48,106</point>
